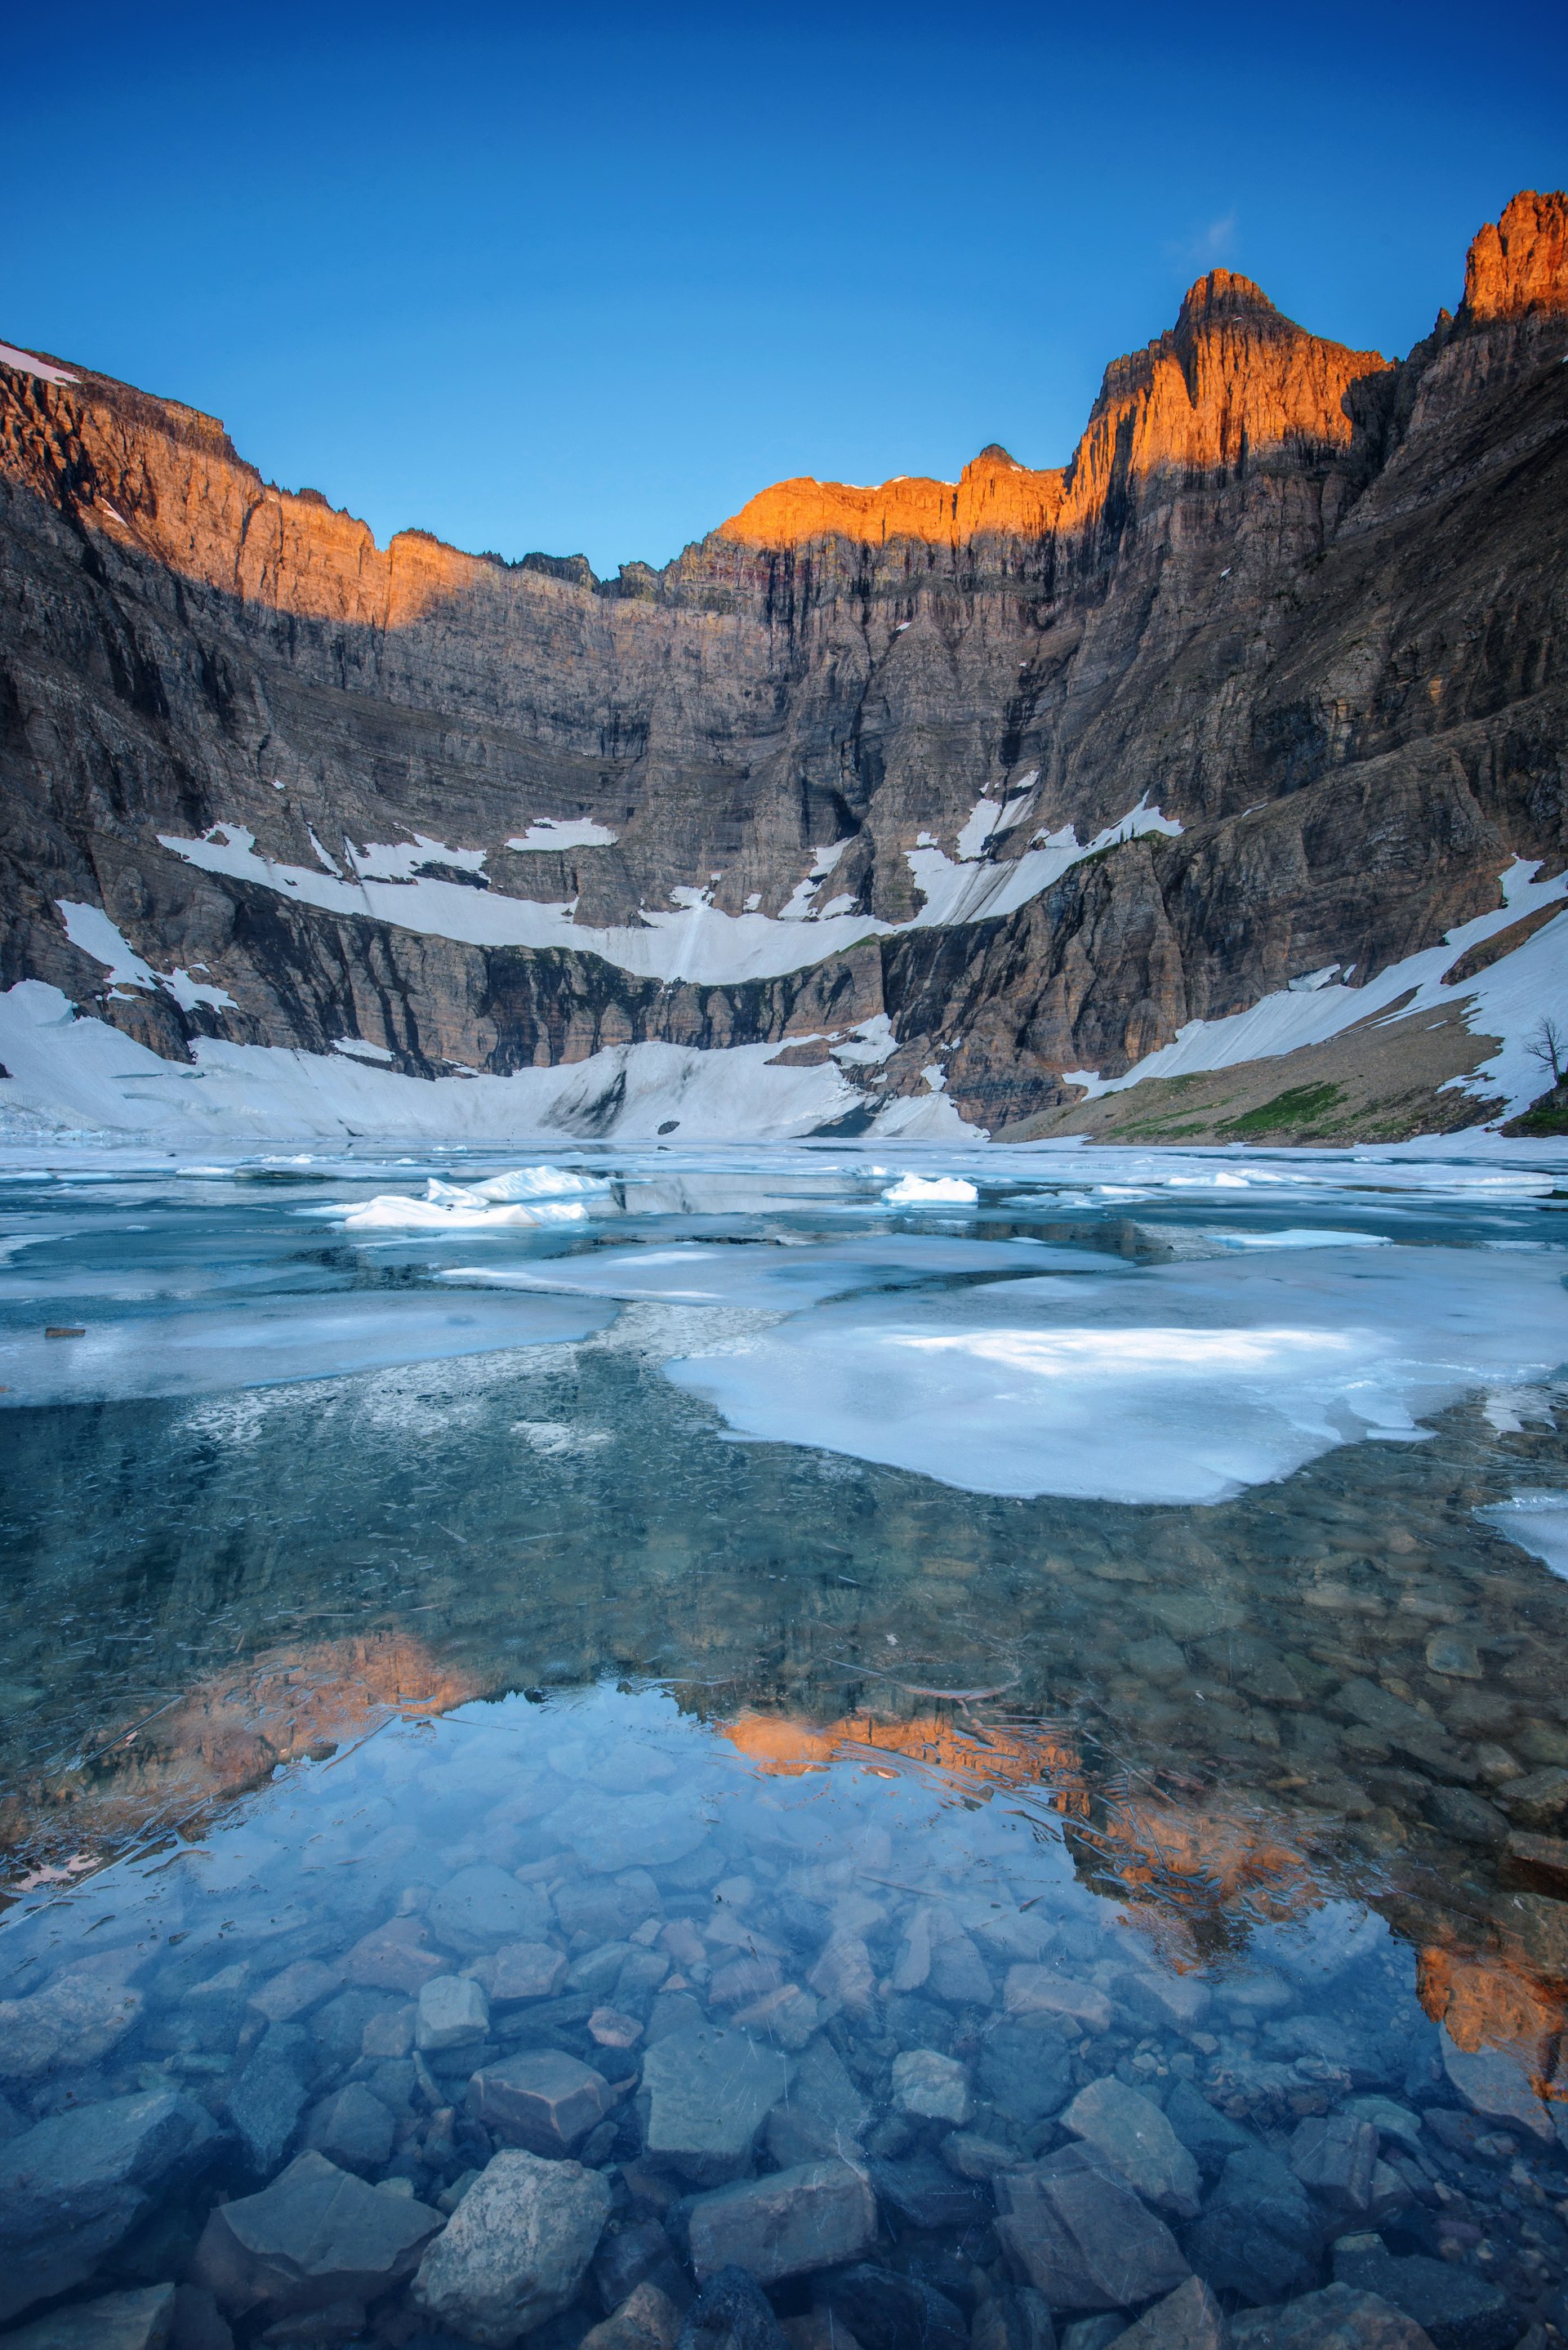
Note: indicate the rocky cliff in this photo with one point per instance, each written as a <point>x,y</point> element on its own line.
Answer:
<point>1029,772</point>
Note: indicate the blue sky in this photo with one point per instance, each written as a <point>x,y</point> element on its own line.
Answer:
<point>585,279</point>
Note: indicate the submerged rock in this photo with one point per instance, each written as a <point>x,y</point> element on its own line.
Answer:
<point>1188,2319</point>
<point>74,2187</point>
<point>482,1907</point>
<point>515,2250</point>
<point>1258,2235</point>
<point>710,2091</point>
<point>119,2320</point>
<point>1457,2308</point>
<point>544,2100</point>
<point>317,2236</point>
<point>932,2088</point>
<point>1073,2228</point>
<point>885,2311</point>
<point>1132,2133</point>
<point>811,2217</point>
<point>1337,2318</point>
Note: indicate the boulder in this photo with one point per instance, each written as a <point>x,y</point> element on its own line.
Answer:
<point>627,2256</point>
<point>647,2320</point>
<point>709,2091</point>
<point>932,2088</point>
<point>614,1836</point>
<point>1188,2319</point>
<point>811,2217</point>
<point>480,1906</point>
<point>731,2312</point>
<point>74,2187</point>
<point>924,2192</point>
<point>119,2320</point>
<point>317,2236</point>
<point>1334,2156</point>
<point>394,1957</point>
<point>1132,2133</point>
<point>1337,2318</point>
<point>1459,2309</point>
<point>885,2311</point>
<point>1497,2087</point>
<point>1008,2319</point>
<point>352,2129</point>
<point>607,1909</point>
<point>1026,2071</point>
<point>957,1972</point>
<point>295,1990</point>
<point>515,2252</point>
<point>1073,2229</point>
<point>74,2020</point>
<point>525,1971</point>
<point>454,2012</point>
<point>970,2156</point>
<point>1040,1991</point>
<point>267,2099</point>
<point>1258,2235</point>
<point>824,2114</point>
<point>1208,2136</point>
<point>543,2100</point>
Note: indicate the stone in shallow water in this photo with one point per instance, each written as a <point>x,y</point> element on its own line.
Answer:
<point>526,1971</point>
<point>76,2020</point>
<point>296,1990</point>
<point>452,2012</point>
<point>1333,2155</point>
<point>709,2093</point>
<point>316,2236</point>
<point>788,2016</point>
<point>394,1957</point>
<point>1337,2318</point>
<point>267,2100</point>
<point>353,2128</point>
<point>647,2320</point>
<point>957,1972</point>
<point>925,2193</point>
<point>73,2187</point>
<point>823,2114</point>
<point>972,2156</point>
<point>1258,2235</point>
<point>544,2100</point>
<point>1205,2133</point>
<point>515,2248</point>
<point>1132,2133</point>
<point>1073,2229</point>
<point>628,2253</point>
<point>119,2320</point>
<point>1494,2085</point>
<point>932,2088</point>
<point>1026,2073</point>
<point>885,2311</point>
<point>1459,2309</point>
<point>811,2217</point>
<point>619,1832</point>
<point>1188,2319</point>
<point>1040,1991</point>
<point>482,1907</point>
<point>607,1912</point>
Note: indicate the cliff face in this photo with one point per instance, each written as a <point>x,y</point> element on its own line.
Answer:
<point>1305,603</point>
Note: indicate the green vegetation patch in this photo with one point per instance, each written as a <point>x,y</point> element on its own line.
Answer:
<point>1301,1105</point>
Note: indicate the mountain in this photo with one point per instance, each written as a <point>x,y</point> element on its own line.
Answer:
<point>919,802</point>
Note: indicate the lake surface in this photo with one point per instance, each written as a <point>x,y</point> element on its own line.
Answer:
<point>1019,1694</point>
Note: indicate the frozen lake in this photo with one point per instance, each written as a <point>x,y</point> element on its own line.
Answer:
<point>976,1732</point>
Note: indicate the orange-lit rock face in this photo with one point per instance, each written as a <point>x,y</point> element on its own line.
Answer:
<point>1233,379</point>
<point>1520,263</point>
<point>1489,2003</point>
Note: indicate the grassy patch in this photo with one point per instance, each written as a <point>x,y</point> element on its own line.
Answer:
<point>1549,1115</point>
<point>1301,1106</point>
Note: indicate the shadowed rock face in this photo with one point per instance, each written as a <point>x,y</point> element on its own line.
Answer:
<point>1300,599</point>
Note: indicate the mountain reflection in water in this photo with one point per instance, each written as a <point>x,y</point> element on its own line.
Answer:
<point>1270,1792</point>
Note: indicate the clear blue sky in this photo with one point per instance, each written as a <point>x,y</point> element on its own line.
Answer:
<point>586,278</point>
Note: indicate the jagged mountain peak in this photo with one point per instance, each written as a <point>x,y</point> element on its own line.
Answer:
<point>1518,264</point>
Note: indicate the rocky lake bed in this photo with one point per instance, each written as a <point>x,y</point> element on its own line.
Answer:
<point>508,1842</point>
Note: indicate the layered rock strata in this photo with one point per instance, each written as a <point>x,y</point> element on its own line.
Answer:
<point>1301,600</point>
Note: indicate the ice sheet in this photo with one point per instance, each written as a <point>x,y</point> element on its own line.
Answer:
<point>760,1274</point>
<point>1538,1522</point>
<point>1182,1384</point>
<point>312,1339</point>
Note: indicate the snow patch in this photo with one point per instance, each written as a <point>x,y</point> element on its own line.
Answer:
<point>90,928</point>
<point>563,832</point>
<point>30,364</point>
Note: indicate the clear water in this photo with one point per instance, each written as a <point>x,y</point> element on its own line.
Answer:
<point>1111,1629</point>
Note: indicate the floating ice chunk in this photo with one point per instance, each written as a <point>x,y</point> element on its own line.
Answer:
<point>1183,1383</point>
<point>192,1353</point>
<point>1537,1523</point>
<point>762,1274</point>
<point>450,1208</point>
<point>1296,1237</point>
<point>539,1183</point>
<point>915,1189</point>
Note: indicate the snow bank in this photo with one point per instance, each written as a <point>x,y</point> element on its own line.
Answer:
<point>1507,1000</point>
<point>81,1072</point>
<point>696,941</point>
<point>1182,1383</point>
